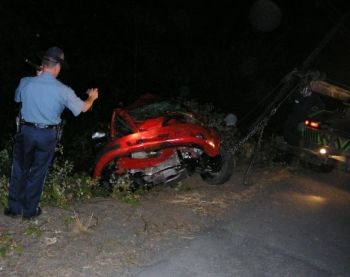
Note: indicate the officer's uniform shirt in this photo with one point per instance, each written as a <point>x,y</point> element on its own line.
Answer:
<point>44,98</point>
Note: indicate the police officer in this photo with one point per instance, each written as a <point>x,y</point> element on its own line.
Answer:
<point>43,99</point>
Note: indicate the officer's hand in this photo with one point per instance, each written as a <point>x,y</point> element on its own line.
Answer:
<point>93,93</point>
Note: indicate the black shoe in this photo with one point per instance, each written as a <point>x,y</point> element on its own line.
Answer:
<point>10,213</point>
<point>28,217</point>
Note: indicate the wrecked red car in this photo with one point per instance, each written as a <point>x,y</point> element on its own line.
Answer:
<point>160,142</point>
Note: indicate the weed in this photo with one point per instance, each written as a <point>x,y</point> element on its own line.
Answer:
<point>19,249</point>
<point>131,198</point>
<point>33,230</point>
<point>62,186</point>
<point>8,245</point>
<point>80,226</point>
<point>5,162</point>
<point>3,191</point>
<point>68,221</point>
<point>5,166</point>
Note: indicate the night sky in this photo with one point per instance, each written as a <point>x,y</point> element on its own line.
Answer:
<point>226,52</point>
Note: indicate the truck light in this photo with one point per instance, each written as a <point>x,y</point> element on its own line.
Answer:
<point>323,151</point>
<point>314,124</point>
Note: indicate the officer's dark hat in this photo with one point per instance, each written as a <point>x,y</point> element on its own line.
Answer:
<point>54,54</point>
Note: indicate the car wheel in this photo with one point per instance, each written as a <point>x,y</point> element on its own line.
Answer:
<point>108,177</point>
<point>220,169</point>
<point>110,181</point>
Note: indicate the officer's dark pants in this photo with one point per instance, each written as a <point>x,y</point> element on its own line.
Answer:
<point>32,154</point>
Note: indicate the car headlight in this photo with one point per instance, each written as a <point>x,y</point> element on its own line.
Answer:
<point>323,151</point>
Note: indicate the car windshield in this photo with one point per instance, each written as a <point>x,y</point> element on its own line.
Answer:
<point>156,109</point>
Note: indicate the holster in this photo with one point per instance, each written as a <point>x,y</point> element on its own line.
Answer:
<point>60,128</point>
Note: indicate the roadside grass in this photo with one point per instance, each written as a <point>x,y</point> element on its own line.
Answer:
<point>9,245</point>
<point>33,230</point>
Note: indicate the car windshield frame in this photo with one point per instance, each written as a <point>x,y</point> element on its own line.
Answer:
<point>157,109</point>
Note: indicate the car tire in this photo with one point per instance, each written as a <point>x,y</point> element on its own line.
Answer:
<point>108,177</point>
<point>224,172</point>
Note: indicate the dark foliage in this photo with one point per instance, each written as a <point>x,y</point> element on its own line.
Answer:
<point>206,51</point>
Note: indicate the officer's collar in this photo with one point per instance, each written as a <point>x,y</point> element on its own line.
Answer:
<point>46,75</point>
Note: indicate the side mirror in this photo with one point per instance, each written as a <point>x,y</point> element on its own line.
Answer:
<point>98,135</point>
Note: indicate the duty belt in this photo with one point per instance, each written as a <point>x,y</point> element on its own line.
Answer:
<point>40,125</point>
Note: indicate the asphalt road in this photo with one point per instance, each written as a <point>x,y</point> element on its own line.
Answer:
<point>299,226</point>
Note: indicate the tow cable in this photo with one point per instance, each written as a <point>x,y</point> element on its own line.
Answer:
<point>259,127</point>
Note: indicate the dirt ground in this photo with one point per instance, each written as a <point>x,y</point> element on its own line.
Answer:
<point>106,236</point>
